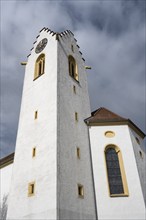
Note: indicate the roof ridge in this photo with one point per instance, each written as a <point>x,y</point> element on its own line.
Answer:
<point>119,116</point>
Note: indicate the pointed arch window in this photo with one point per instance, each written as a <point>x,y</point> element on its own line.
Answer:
<point>73,71</point>
<point>39,66</point>
<point>115,172</point>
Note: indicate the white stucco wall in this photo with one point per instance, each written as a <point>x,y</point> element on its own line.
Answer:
<point>5,180</point>
<point>72,134</point>
<point>55,134</point>
<point>40,95</point>
<point>140,159</point>
<point>131,207</point>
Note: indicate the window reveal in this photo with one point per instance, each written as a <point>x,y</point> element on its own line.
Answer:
<point>73,68</point>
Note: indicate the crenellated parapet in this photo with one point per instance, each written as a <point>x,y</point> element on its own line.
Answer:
<point>57,36</point>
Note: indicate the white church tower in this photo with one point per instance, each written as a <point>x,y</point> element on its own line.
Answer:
<point>52,175</point>
<point>68,164</point>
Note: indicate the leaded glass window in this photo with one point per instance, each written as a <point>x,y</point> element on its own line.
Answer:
<point>114,172</point>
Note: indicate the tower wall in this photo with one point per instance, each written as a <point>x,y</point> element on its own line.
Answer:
<point>72,134</point>
<point>139,152</point>
<point>38,95</point>
<point>132,206</point>
<point>67,184</point>
<point>55,170</point>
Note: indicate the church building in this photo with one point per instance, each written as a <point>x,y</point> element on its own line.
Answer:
<point>70,163</point>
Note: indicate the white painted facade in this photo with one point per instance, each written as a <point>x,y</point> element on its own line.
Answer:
<point>39,95</point>
<point>5,181</point>
<point>72,134</point>
<point>56,169</point>
<point>140,156</point>
<point>131,207</point>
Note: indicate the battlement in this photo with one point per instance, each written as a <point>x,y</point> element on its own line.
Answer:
<point>58,36</point>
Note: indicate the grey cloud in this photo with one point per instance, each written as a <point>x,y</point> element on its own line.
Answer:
<point>117,79</point>
<point>111,35</point>
<point>113,17</point>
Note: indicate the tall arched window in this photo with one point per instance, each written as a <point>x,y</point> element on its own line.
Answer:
<point>73,71</point>
<point>115,171</point>
<point>39,66</point>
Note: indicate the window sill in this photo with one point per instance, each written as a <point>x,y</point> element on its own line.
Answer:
<point>80,197</point>
<point>118,195</point>
<point>38,76</point>
<point>30,195</point>
<point>77,81</point>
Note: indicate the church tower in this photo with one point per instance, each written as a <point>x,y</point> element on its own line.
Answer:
<point>52,174</point>
<point>70,163</point>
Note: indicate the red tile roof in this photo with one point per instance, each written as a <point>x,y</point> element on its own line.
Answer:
<point>7,160</point>
<point>103,116</point>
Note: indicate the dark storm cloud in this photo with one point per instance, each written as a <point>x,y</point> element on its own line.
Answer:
<point>116,19</point>
<point>111,35</point>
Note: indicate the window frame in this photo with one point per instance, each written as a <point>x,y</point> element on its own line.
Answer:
<point>78,153</point>
<point>73,68</point>
<point>76,117</point>
<point>72,48</point>
<point>33,152</point>
<point>141,154</point>
<point>31,189</point>
<point>122,170</point>
<point>74,89</point>
<point>36,115</point>
<point>39,69</point>
<point>80,191</point>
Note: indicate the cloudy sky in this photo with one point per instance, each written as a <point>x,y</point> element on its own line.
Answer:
<point>111,36</point>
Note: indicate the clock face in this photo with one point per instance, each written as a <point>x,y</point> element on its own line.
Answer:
<point>41,45</point>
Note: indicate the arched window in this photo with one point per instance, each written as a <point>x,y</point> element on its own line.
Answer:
<point>39,66</point>
<point>115,172</point>
<point>73,71</point>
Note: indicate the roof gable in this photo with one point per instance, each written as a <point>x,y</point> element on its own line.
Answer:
<point>104,114</point>
<point>103,117</point>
